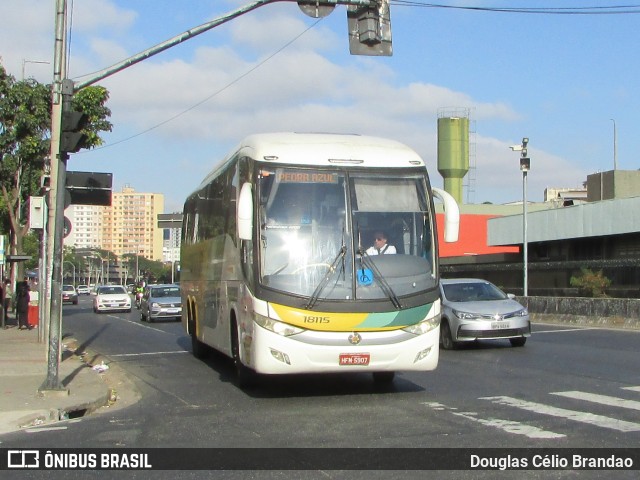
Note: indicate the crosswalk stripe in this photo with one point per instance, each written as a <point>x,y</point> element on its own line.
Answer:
<point>601,399</point>
<point>510,426</point>
<point>577,416</point>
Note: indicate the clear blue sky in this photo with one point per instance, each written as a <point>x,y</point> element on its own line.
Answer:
<point>559,79</point>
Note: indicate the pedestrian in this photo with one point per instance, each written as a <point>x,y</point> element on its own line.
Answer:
<point>6,299</point>
<point>22,304</point>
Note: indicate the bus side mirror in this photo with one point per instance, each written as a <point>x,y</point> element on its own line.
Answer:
<point>245,213</point>
<point>451,215</point>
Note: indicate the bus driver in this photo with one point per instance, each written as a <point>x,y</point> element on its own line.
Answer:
<point>380,245</point>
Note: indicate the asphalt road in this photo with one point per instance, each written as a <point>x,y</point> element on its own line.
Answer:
<point>567,388</point>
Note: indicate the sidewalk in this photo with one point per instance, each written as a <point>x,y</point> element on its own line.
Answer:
<point>23,371</point>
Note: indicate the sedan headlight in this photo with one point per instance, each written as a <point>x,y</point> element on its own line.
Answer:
<point>425,326</point>
<point>521,313</point>
<point>276,326</point>
<point>465,315</point>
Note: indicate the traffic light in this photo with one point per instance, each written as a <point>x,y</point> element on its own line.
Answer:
<point>370,29</point>
<point>71,137</point>
<point>525,161</point>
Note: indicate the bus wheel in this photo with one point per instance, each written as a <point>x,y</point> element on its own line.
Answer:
<point>245,377</point>
<point>198,348</point>
<point>383,377</point>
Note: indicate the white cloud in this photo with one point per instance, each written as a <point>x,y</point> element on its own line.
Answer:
<point>228,94</point>
<point>93,16</point>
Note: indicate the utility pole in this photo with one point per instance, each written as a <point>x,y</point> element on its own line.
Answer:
<point>53,300</point>
<point>67,139</point>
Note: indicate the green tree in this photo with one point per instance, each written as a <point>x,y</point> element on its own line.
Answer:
<point>25,117</point>
<point>25,121</point>
<point>592,284</point>
<point>92,100</point>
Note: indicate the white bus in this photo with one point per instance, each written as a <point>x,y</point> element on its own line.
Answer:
<point>275,271</point>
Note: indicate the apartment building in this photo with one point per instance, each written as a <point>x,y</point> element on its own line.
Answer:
<point>128,226</point>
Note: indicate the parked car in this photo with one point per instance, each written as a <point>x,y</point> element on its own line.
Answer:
<point>160,302</point>
<point>83,290</point>
<point>69,294</point>
<point>475,309</point>
<point>111,298</point>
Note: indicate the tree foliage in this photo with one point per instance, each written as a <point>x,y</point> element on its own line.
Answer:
<point>592,284</point>
<point>25,123</point>
<point>92,100</point>
<point>25,116</point>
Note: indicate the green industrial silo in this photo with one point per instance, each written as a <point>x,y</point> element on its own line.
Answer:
<point>453,153</point>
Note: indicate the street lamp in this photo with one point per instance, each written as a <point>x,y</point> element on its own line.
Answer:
<point>525,165</point>
<point>102,260</point>
<point>24,62</point>
<point>74,271</point>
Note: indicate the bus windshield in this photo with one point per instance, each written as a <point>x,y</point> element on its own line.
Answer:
<point>340,236</point>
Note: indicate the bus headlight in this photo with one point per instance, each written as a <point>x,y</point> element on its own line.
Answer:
<point>425,326</point>
<point>276,326</point>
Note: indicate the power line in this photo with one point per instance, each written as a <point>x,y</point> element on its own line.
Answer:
<point>596,10</point>
<point>214,94</point>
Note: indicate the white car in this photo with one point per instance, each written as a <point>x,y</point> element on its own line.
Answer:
<point>111,298</point>
<point>83,290</point>
<point>474,309</point>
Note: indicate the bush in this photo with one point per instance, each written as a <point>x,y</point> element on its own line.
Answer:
<point>591,284</point>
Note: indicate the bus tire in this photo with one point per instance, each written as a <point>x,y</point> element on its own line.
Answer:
<point>198,348</point>
<point>245,377</point>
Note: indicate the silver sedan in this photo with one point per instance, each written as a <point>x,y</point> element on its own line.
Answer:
<point>475,309</point>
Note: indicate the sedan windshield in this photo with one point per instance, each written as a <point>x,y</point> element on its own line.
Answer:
<point>472,292</point>
<point>320,234</point>
<point>111,290</point>
<point>165,292</point>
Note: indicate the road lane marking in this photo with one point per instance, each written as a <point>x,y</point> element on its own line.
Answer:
<point>510,426</point>
<point>146,353</point>
<point>535,332</point>
<point>600,399</point>
<point>574,415</point>
<point>633,389</point>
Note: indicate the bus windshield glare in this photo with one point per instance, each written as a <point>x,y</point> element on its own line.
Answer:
<point>311,246</point>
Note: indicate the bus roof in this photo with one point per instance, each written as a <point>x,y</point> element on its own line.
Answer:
<point>322,149</point>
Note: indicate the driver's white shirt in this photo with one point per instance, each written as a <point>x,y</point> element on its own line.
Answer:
<point>387,249</point>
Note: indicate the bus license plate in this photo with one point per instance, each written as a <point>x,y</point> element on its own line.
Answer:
<point>354,359</point>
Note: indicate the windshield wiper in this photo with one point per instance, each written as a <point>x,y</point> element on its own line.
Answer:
<point>384,285</point>
<point>316,293</point>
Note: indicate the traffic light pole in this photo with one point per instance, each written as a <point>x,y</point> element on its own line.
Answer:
<point>187,35</point>
<point>58,160</point>
<point>64,89</point>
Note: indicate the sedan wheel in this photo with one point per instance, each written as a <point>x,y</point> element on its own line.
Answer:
<point>518,342</point>
<point>446,339</point>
